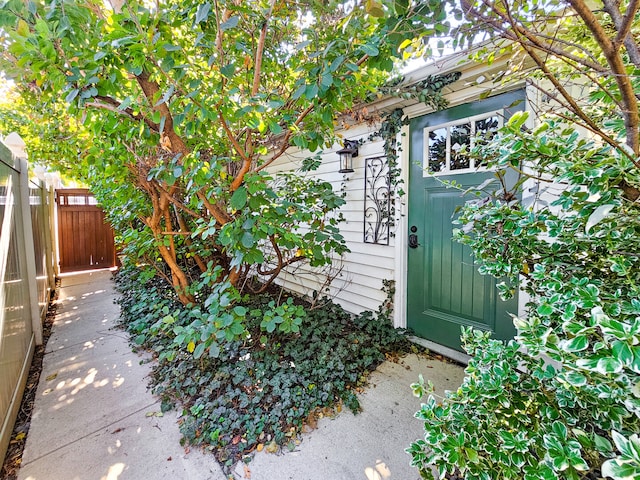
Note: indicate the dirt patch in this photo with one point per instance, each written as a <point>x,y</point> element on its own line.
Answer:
<point>13,457</point>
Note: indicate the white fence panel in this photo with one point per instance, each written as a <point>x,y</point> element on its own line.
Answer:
<point>26,281</point>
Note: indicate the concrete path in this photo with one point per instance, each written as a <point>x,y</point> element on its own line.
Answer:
<point>91,418</point>
<point>95,419</point>
<point>370,445</point>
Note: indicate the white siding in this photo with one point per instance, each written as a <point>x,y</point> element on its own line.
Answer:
<point>357,285</point>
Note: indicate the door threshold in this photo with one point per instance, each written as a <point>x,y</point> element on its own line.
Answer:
<point>455,355</point>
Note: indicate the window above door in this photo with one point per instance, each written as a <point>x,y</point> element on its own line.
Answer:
<point>447,146</point>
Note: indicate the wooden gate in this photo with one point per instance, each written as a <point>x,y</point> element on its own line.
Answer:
<point>85,240</point>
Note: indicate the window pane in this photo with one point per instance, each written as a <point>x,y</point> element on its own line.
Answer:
<point>485,131</point>
<point>76,200</point>
<point>437,150</point>
<point>460,144</point>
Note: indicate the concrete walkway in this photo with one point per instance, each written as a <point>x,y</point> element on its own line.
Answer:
<point>95,419</point>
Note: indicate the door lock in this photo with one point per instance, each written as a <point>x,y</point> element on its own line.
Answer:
<point>413,238</point>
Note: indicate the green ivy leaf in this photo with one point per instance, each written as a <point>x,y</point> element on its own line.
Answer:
<point>214,350</point>
<point>199,350</point>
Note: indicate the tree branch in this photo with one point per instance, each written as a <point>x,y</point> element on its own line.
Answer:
<point>285,141</point>
<point>275,271</point>
<point>571,105</point>
<point>611,7</point>
<point>246,159</point>
<point>627,21</point>
<point>108,103</point>
<point>184,230</point>
<point>177,203</point>
<point>220,19</point>
<point>151,89</point>
<point>220,215</point>
<point>612,54</point>
<point>260,50</point>
<point>517,31</point>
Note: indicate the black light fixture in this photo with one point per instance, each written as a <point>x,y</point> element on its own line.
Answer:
<point>347,153</point>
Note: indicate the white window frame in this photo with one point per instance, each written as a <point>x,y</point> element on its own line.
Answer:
<point>472,121</point>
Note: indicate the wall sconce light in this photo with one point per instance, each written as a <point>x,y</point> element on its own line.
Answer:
<point>347,153</point>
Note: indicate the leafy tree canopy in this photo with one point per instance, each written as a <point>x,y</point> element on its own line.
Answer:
<point>54,143</point>
<point>186,104</point>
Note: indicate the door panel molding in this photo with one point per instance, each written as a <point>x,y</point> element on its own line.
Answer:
<point>457,320</point>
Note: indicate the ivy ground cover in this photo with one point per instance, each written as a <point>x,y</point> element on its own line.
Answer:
<point>264,389</point>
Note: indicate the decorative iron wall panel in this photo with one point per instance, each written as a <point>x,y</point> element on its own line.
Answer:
<point>377,201</point>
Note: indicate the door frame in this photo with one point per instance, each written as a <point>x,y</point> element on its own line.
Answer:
<point>402,220</point>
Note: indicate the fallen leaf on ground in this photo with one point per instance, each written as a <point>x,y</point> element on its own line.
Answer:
<point>260,447</point>
<point>247,472</point>
<point>312,421</point>
<point>272,447</point>
<point>51,377</point>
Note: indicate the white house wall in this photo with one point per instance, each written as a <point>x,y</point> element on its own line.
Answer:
<point>357,285</point>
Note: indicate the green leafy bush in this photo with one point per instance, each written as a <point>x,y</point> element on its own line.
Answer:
<point>262,385</point>
<point>562,400</point>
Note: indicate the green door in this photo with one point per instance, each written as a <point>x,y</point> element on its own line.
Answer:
<point>445,290</point>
